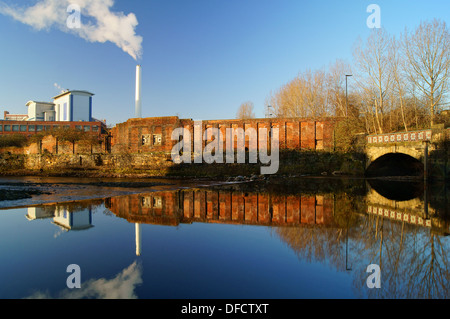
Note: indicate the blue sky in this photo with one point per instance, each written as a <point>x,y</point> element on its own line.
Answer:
<point>201,58</point>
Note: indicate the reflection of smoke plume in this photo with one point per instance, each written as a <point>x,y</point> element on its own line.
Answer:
<point>100,25</point>
<point>120,287</point>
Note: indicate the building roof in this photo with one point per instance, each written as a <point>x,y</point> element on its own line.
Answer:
<point>47,103</point>
<point>72,91</point>
<point>13,115</point>
<point>16,117</point>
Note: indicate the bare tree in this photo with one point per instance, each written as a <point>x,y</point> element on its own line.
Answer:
<point>372,62</point>
<point>427,53</point>
<point>288,100</point>
<point>245,111</point>
<point>398,75</point>
<point>315,98</point>
<point>304,96</point>
<point>336,87</point>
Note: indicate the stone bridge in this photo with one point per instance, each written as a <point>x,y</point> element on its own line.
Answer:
<point>407,149</point>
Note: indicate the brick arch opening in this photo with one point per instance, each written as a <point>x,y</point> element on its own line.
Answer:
<point>395,164</point>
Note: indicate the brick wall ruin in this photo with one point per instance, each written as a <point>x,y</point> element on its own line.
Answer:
<point>154,134</point>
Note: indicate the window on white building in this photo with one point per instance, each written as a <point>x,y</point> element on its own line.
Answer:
<point>65,112</point>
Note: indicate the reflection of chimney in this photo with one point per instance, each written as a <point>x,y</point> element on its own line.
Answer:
<point>138,239</point>
<point>138,109</point>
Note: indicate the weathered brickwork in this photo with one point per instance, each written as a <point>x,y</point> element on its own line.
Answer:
<point>95,161</point>
<point>154,134</point>
<point>225,207</point>
<point>51,145</point>
<point>30,128</point>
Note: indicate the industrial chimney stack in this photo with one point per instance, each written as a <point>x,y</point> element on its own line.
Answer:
<point>138,109</point>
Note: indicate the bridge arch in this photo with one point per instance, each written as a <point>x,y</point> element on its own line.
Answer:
<point>375,152</point>
<point>396,164</point>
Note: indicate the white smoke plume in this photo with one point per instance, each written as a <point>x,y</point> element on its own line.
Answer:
<point>98,22</point>
<point>58,87</point>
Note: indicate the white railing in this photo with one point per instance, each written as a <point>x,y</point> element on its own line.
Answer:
<point>414,136</point>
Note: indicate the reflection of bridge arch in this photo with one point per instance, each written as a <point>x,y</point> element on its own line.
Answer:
<point>415,211</point>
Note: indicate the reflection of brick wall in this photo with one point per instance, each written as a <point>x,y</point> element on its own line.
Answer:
<point>205,206</point>
<point>146,209</point>
<point>293,133</point>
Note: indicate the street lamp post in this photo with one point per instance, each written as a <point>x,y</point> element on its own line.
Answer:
<point>346,94</point>
<point>346,251</point>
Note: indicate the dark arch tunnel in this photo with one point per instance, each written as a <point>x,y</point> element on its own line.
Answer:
<point>395,164</point>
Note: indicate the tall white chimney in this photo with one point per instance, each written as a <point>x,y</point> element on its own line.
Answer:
<point>138,109</point>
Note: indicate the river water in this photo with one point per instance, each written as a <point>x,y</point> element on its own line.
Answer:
<point>290,239</point>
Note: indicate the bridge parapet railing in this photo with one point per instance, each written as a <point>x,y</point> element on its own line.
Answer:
<point>412,136</point>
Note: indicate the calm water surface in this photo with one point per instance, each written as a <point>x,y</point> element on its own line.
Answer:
<point>232,242</point>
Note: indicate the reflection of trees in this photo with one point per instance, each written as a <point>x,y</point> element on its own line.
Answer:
<point>315,243</point>
<point>325,244</point>
<point>382,243</point>
<point>432,269</point>
<point>414,260</point>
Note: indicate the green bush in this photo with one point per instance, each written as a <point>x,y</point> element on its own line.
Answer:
<point>349,135</point>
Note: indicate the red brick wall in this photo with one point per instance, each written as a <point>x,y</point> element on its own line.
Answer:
<point>31,128</point>
<point>127,137</point>
<point>49,144</point>
<point>293,133</point>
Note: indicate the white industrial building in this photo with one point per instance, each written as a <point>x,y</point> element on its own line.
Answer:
<point>69,106</point>
<point>73,106</point>
<point>40,111</point>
